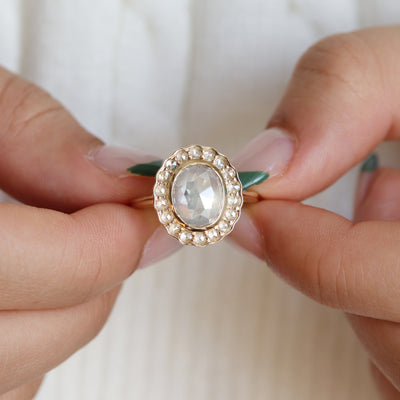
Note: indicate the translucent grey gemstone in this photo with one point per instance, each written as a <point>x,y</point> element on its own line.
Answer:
<point>198,195</point>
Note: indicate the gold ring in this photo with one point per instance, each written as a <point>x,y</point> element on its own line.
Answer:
<point>198,195</point>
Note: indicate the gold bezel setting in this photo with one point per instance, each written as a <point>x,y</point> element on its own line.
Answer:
<point>233,197</point>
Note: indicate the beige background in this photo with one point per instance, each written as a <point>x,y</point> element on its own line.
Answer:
<point>156,74</point>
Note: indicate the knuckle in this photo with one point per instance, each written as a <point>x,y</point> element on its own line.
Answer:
<point>329,276</point>
<point>23,103</point>
<point>316,265</point>
<point>90,277</point>
<point>332,280</point>
<point>86,265</point>
<point>344,59</point>
<point>85,275</point>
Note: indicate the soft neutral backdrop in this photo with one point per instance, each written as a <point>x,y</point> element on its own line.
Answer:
<point>156,74</point>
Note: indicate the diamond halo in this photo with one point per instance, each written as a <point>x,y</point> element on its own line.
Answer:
<point>198,212</point>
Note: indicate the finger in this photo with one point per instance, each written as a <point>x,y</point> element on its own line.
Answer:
<point>385,387</point>
<point>379,198</point>
<point>49,160</point>
<point>24,392</point>
<point>348,266</point>
<point>49,259</point>
<point>34,342</point>
<point>342,101</point>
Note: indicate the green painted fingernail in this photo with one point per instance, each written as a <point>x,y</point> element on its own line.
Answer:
<point>146,169</point>
<point>370,164</point>
<point>251,178</point>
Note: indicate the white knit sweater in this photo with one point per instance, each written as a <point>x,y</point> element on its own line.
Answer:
<point>155,74</point>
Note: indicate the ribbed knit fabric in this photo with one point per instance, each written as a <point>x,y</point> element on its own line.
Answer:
<point>153,74</point>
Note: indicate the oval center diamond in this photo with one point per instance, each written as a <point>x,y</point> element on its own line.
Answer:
<point>198,195</point>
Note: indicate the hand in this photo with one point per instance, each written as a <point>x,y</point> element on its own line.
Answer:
<point>59,273</point>
<point>342,101</point>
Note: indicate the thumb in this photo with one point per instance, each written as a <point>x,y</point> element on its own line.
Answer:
<point>48,160</point>
<point>352,267</point>
<point>340,104</point>
<point>378,198</point>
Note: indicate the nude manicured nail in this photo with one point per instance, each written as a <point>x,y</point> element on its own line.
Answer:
<point>270,151</point>
<point>159,246</point>
<point>115,160</point>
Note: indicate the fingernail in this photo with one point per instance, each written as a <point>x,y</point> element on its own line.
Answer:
<point>249,236</point>
<point>159,246</point>
<point>115,160</point>
<point>368,169</point>
<point>270,151</point>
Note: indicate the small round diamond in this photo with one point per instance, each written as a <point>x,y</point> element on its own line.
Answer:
<point>185,237</point>
<point>233,200</point>
<point>220,162</point>
<point>208,154</point>
<point>181,156</point>
<point>199,238</point>
<point>160,190</point>
<point>212,235</point>
<point>195,152</point>
<point>233,186</point>
<point>230,214</point>
<point>171,164</point>
<point>161,203</point>
<point>166,217</point>
<point>173,228</point>
<point>163,175</point>
<point>228,173</point>
<point>223,226</point>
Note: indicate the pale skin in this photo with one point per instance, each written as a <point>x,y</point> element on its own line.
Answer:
<point>342,101</point>
<point>66,251</point>
<point>63,254</point>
